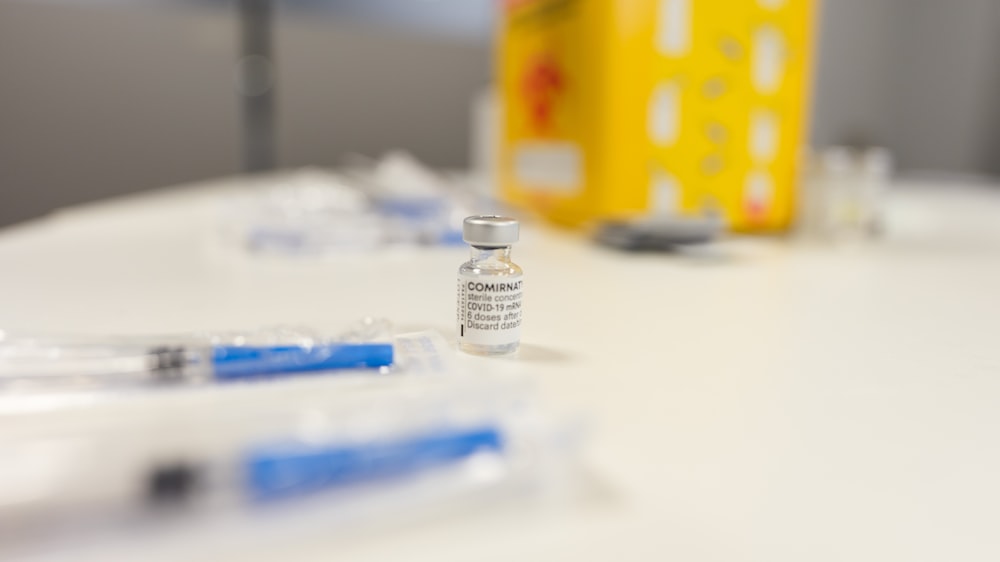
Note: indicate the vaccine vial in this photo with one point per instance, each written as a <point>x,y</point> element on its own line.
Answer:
<point>489,288</point>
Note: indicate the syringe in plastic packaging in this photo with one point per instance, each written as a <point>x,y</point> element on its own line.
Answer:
<point>131,361</point>
<point>362,451</point>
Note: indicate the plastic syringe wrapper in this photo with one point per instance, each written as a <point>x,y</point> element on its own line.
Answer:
<point>86,464</point>
<point>393,201</point>
<point>75,363</point>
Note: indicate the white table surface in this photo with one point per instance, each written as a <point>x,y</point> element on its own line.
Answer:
<point>763,400</point>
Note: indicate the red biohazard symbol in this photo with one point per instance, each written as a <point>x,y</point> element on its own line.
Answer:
<point>542,83</point>
<point>756,210</point>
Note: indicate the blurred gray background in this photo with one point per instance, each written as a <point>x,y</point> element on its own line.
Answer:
<point>104,98</point>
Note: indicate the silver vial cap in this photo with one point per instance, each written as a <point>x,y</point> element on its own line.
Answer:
<point>489,231</point>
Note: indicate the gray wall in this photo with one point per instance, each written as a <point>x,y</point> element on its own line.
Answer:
<point>103,99</point>
<point>345,88</point>
<point>920,76</point>
<point>100,101</point>
<point>947,57</point>
<point>851,91</point>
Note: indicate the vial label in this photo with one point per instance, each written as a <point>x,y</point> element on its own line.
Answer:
<point>489,309</point>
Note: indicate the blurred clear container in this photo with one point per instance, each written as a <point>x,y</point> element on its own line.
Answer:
<point>419,205</point>
<point>844,193</point>
<point>307,212</point>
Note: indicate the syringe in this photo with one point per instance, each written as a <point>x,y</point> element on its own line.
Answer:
<point>35,361</point>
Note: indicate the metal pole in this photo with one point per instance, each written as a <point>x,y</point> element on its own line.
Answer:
<point>256,85</point>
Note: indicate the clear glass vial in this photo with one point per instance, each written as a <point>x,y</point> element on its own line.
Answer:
<point>489,288</point>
